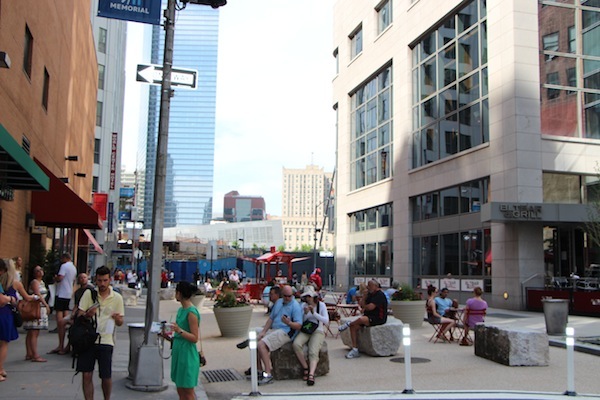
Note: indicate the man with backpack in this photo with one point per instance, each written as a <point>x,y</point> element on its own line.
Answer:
<point>107,310</point>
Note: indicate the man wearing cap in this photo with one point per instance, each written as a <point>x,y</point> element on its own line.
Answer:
<point>281,327</point>
<point>374,313</point>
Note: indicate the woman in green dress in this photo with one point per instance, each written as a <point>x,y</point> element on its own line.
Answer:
<point>185,363</point>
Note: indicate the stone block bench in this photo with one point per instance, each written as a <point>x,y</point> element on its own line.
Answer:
<point>130,296</point>
<point>286,365</point>
<point>380,340</point>
<point>512,346</point>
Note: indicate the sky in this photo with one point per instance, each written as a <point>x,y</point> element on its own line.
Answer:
<point>274,103</point>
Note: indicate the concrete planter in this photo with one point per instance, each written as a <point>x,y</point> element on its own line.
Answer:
<point>198,300</point>
<point>409,312</point>
<point>233,321</point>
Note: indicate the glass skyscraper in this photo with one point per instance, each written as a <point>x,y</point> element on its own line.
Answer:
<point>190,161</point>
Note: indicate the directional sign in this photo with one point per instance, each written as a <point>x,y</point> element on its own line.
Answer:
<point>152,74</point>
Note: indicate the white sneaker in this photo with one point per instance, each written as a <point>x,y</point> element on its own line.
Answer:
<point>353,354</point>
<point>344,326</point>
<point>266,379</point>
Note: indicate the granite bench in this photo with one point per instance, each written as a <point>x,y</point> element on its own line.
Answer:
<point>512,346</point>
<point>380,340</point>
<point>286,365</point>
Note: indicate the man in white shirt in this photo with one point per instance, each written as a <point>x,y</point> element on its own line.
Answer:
<point>65,279</point>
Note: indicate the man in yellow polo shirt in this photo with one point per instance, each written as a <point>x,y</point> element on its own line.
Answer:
<point>109,312</point>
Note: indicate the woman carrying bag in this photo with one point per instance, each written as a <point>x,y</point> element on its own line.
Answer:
<point>312,332</point>
<point>37,287</point>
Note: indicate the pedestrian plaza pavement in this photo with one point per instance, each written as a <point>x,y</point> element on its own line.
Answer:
<point>440,370</point>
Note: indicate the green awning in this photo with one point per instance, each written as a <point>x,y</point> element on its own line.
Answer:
<point>17,169</point>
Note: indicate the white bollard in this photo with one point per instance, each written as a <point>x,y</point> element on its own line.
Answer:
<point>407,367</point>
<point>570,341</point>
<point>253,365</point>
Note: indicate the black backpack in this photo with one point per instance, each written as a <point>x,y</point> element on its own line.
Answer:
<point>82,333</point>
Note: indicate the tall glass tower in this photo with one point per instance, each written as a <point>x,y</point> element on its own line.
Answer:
<point>190,161</point>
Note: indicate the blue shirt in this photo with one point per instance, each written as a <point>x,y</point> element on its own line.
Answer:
<point>292,309</point>
<point>442,305</point>
<point>351,294</point>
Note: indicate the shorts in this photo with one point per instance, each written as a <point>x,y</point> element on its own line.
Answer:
<point>374,321</point>
<point>61,304</point>
<point>276,338</point>
<point>102,353</point>
<point>434,320</point>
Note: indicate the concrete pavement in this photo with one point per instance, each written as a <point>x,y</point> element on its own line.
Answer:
<point>439,370</point>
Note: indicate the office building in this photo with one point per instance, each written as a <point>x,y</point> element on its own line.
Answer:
<point>239,208</point>
<point>306,199</point>
<point>110,37</point>
<point>468,143</point>
<point>190,160</point>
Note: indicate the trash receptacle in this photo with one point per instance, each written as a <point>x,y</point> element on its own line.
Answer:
<point>556,314</point>
<point>136,338</point>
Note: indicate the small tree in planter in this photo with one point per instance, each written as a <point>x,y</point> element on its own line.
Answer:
<point>233,314</point>
<point>407,306</point>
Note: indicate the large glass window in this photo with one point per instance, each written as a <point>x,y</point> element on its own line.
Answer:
<point>371,218</point>
<point>371,130</point>
<point>371,259</point>
<point>450,86</point>
<point>570,48</point>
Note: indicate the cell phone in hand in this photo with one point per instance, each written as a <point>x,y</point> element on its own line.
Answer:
<point>95,305</point>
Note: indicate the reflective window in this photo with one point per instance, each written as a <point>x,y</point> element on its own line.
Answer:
<point>384,15</point>
<point>450,86</point>
<point>371,130</point>
<point>356,42</point>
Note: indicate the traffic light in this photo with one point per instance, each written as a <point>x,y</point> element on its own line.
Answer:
<point>212,3</point>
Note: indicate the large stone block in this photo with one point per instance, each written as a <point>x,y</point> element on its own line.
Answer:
<point>167,293</point>
<point>380,340</point>
<point>511,346</point>
<point>286,364</point>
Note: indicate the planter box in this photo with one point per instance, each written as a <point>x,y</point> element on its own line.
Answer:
<point>198,300</point>
<point>409,312</point>
<point>234,321</point>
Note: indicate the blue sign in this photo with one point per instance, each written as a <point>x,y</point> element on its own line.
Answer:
<point>145,11</point>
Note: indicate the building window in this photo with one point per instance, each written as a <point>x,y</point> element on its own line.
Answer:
<point>45,89</point>
<point>371,258</point>
<point>94,184</point>
<point>371,218</point>
<point>384,15</point>
<point>100,77</point>
<point>97,151</point>
<point>575,59</point>
<point>550,44</point>
<point>356,44</point>
<point>337,61</point>
<point>28,52</point>
<point>102,40</point>
<point>99,109</point>
<point>371,130</point>
<point>450,98</point>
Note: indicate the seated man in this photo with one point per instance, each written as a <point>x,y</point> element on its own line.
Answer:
<point>374,313</point>
<point>274,295</point>
<point>281,327</point>
<point>444,305</point>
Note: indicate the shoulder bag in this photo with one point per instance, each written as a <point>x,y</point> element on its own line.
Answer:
<point>18,320</point>
<point>308,326</point>
<point>30,310</point>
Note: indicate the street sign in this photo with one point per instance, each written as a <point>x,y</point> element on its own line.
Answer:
<point>180,77</point>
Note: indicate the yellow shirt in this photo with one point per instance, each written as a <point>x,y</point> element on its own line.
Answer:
<point>113,303</point>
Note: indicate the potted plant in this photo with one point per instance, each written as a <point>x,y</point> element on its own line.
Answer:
<point>198,297</point>
<point>233,313</point>
<point>407,306</point>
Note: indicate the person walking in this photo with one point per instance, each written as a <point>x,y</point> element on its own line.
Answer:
<point>185,363</point>
<point>65,279</point>
<point>110,311</point>
<point>37,287</point>
<point>315,316</point>
<point>10,287</point>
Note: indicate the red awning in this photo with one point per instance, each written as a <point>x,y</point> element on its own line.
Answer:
<point>93,241</point>
<point>62,207</point>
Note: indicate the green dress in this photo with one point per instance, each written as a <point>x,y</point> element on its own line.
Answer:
<point>185,364</point>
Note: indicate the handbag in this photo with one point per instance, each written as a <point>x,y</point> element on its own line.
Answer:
<point>18,320</point>
<point>309,327</point>
<point>30,310</point>
<point>201,353</point>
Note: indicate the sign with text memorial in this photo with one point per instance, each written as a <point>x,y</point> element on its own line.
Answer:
<point>144,11</point>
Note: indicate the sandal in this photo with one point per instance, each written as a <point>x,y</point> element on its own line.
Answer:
<point>2,378</point>
<point>311,380</point>
<point>39,359</point>
<point>305,374</point>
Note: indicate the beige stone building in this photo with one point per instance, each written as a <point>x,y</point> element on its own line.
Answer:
<point>304,209</point>
<point>468,143</point>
